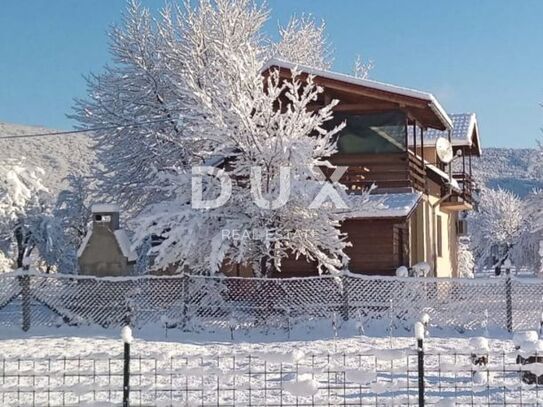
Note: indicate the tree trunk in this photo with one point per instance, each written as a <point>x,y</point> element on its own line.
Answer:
<point>19,238</point>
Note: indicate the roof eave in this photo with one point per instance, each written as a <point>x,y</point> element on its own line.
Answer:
<point>476,137</point>
<point>433,104</point>
<point>406,215</point>
<point>441,113</point>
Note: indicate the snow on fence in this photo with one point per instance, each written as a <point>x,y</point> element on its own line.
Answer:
<point>199,302</point>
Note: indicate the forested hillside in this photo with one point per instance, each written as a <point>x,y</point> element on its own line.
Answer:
<point>57,155</point>
<point>508,168</point>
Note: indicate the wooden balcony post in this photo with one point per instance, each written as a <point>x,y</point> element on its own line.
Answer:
<point>415,137</point>
<point>422,146</point>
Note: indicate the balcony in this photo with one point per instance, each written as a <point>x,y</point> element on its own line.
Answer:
<point>390,171</point>
<point>461,198</point>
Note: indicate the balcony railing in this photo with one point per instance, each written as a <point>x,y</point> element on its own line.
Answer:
<point>386,171</point>
<point>466,185</point>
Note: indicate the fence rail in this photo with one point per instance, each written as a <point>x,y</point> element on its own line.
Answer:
<point>199,302</point>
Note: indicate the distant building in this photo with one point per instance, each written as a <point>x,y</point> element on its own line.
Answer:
<point>106,248</point>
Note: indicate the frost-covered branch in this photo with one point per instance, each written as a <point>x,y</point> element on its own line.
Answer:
<point>362,69</point>
<point>136,96</point>
<point>303,41</point>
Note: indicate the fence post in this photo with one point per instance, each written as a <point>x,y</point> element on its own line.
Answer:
<point>419,335</point>
<point>185,292</point>
<point>509,301</point>
<point>126,334</point>
<point>345,308</point>
<point>128,318</point>
<point>24,281</point>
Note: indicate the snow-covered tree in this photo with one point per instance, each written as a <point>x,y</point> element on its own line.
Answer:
<point>144,260</point>
<point>219,53</point>
<point>32,232</point>
<point>22,199</point>
<point>54,250</point>
<point>304,41</point>
<point>362,69</point>
<point>498,226</point>
<point>193,77</point>
<point>72,208</point>
<point>240,231</point>
<point>6,264</point>
<point>144,116</point>
<point>465,259</point>
<point>529,247</point>
<point>134,108</point>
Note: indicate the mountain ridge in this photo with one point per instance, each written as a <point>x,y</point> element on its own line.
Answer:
<point>507,168</point>
<point>58,155</point>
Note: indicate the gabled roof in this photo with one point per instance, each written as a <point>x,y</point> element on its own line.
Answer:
<point>379,206</point>
<point>465,131</point>
<point>123,242</point>
<point>430,100</point>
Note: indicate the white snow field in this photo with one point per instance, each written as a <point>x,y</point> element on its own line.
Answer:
<point>78,366</point>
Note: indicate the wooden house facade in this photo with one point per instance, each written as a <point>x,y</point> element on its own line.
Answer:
<point>389,140</point>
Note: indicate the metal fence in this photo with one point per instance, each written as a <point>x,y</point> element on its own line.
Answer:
<point>199,302</point>
<point>385,377</point>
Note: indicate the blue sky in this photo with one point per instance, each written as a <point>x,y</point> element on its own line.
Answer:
<point>483,56</point>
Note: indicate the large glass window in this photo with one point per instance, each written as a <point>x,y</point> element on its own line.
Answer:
<point>371,133</point>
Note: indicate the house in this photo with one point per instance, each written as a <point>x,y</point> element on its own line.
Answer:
<point>105,251</point>
<point>390,141</point>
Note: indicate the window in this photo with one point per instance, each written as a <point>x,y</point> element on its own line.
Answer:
<point>371,133</point>
<point>102,218</point>
<point>439,236</point>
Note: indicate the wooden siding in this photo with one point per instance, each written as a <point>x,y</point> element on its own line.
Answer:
<point>379,247</point>
<point>300,267</point>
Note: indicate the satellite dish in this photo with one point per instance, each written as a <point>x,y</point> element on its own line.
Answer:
<point>444,150</point>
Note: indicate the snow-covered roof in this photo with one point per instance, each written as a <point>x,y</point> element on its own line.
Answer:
<point>125,245</point>
<point>432,101</point>
<point>464,126</point>
<point>122,240</point>
<point>84,243</point>
<point>390,205</point>
<point>105,208</point>
<point>214,161</point>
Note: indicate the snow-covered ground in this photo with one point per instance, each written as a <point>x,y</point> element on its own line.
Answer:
<point>193,369</point>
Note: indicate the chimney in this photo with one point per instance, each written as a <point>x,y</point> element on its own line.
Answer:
<point>106,214</point>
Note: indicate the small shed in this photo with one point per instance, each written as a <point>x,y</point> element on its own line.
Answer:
<point>106,251</point>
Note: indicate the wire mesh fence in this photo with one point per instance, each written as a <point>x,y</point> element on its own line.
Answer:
<point>385,377</point>
<point>200,302</point>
